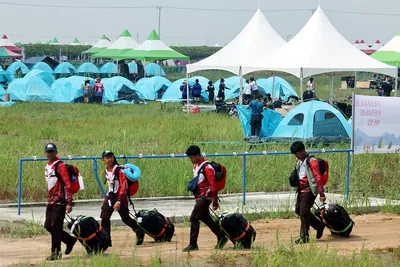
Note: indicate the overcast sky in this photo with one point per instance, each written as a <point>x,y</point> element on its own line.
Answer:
<point>191,27</point>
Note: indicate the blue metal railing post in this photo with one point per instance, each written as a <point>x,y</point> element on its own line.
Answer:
<point>348,175</point>
<point>96,175</point>
<point>19,187</point>
<point>244,178</point>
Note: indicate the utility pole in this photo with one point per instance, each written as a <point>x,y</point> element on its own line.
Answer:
<point>137,37</point>
<point>159,20</point>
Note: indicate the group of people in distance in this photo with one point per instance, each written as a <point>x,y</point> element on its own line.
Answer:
<point>196,89</point>
<point>383,87</point>
<point>60,199</point>
<point>93,94</point>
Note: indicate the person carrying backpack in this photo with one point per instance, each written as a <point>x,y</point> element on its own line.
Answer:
<point>205,193</point>
<point>59,202</point>
<point>117,199</point>
<point>310,184</point>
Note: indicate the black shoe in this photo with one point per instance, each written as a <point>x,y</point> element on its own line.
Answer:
<point>191,248</point>
<point>139,237</point>
<point>320,232</point>
<point>302,240</point>
<point>221,243</point>
<point>54,256</point>
<point>70,246</point>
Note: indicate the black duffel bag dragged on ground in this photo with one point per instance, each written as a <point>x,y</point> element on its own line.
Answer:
<point>237,229</point>
<point>91,235</point>
<point>335,218</point>
<point>155,225</point>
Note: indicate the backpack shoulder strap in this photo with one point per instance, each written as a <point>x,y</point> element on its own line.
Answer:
<point>202,167</point>
<point>308,160</point>
<point>57,174</point>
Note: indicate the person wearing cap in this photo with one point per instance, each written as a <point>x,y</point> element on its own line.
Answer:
<point>116,198</point>
<point>196,91</point>
<point>221,91</point>
<point>86,90</point>
<point>211,91</point>
<point>98,91</point>
<point>59,202</point>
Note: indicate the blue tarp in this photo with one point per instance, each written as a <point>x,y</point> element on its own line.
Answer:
<point>87,68</point>
<point>269,123</point>
<point>133,67</point>
<point>31,89</point>
<point>153,69</point>
<point>232,83</point>
<point>282,88</point>
<point>45,76</point>
<point>42,66</point>
<point>18,66</point>
<point>109,67</point>
<point>313,120</point>
<point>65,68</point>
<point>153,88</point>
<point>119,88</point>
<point>6,77</point>
<point>2,93</point>
<point>7,104</point>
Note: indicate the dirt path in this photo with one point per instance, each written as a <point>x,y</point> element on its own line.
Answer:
<point>375,232</point>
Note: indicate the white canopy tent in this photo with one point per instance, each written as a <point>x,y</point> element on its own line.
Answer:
<point>256,39</point>
<point>319,48</point>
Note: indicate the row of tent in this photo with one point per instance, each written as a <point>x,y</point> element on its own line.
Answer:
<point>151,69</point>
<point>310,121</point>
<point>41,86</point>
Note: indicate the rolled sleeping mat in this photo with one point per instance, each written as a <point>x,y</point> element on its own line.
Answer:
<point>132,172</point>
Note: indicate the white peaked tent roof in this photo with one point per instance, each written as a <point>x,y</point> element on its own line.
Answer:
<point>319,48</point>
<point>102,43</point>
<point>124,41</point>
<point>377,45</point>
<point>362,45</point>
<point>256,39</point>
<point>393,45</point>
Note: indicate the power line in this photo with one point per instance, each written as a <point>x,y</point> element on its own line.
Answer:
<point>362,13</point>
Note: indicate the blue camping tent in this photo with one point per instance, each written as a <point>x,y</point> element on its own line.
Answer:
<point>65,68</point>
<point>76,84</point>
<point>6,77</point>
<point>153,88</point>
<point>31,89</point>
<point>87,68</point>
<point>153,69</point>
<point>42,66</point>
<point>313,120</point>
<point>133,67</point>
<point>1,68</point>
<point>282,88</point>
<point>63,92</point>
<point>119,88</point>
<point>45,76</point>
<point>14,67</point>
<point>109,67</point>
<point>269,123</point>
<point>233,83</point>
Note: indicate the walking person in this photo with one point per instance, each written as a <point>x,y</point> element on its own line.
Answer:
<point>257,108</point>
<point>116,198</point>
<point>196,92</point>
<point>211,92</point>
<point>86,90</point>
<point>98,91</point>
<point>59,202</point>
<point>221,91</point>
<point>205,194</point>
<point>254,88</point>
<point>310,185</point>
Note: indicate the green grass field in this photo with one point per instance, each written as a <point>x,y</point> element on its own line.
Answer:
<point>87,130</point>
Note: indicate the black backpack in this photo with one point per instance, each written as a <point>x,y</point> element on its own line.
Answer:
<point>155,225</point>
<point>336,219</point>
<point>238,229</point>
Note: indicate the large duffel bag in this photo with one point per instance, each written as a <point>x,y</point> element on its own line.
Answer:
<point>91,235</point>
<point>237,229</point>
<point>155,225</point>
<point>335,218</point>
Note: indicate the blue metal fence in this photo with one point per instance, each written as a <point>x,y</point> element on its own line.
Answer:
<point>171,156</point>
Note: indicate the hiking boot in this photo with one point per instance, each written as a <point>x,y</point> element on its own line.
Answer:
<point>191,248</point>
<point>221,243</point>
<point>139,237</point>
<point>302,240</point>
<point>70,246</point>
<point>54,256</point>
<point>320,232</point>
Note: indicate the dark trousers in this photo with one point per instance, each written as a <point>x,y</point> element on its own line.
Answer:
<point>54,224</point>
<point>201,213</point>
<point>98,99</point>
<point>107,211</point>
<point>255,123</point>
<point>303,206</point>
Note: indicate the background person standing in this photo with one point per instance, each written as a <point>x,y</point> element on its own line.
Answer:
<point>257,108</point>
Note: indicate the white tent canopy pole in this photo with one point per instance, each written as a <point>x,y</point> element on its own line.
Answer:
<point>273,86</point>
<point>331,96</point>
<point>241,86</point>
